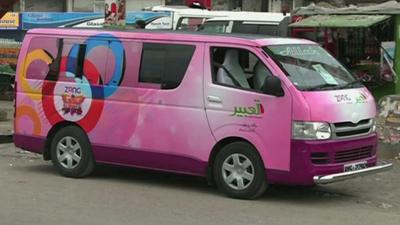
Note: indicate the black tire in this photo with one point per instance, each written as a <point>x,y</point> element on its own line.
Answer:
<point>243,150</point>
<point>86,163</point>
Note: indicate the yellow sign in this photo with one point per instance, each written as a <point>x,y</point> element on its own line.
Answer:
<point>10,21</point>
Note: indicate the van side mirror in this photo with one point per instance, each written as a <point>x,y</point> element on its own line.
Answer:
<point>272,86</point>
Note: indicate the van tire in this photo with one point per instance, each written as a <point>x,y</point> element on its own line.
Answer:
<point>245,154</point>
<point>72,162</point>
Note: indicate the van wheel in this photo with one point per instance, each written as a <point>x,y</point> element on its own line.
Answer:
<point>71,152</point>
<point>239,171</point>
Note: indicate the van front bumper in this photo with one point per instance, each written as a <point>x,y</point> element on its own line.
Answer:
<point>305,172</point>
<point>327,179</point>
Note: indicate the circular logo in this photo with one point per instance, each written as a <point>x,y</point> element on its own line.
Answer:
<point>72,101</point>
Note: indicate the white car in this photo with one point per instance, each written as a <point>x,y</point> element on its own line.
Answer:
<point>274,24</point>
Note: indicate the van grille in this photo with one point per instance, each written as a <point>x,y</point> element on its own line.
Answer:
<point>319,158</point>
<point>349,129</point>
<point>354,154</point>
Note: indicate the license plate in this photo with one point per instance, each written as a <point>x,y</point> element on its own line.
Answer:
<point>355,166</point>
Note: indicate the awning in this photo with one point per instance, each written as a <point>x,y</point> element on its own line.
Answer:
<point>340,21</point>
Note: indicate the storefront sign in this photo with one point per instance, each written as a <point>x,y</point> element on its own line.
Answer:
<point>56,19</point>
<point>10,21</point>
<point>114,12</point>
<point>86,20</point>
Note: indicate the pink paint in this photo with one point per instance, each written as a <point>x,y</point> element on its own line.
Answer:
<point>139,124</point>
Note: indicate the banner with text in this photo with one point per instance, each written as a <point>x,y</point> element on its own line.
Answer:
<point>10,21</point>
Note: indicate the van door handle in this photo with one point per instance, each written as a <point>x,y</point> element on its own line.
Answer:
<point>214,99</point>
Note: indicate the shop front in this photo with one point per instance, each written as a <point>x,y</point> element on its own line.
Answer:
<point>363,43</point>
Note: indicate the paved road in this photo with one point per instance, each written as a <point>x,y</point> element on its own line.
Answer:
<point>33,193</point>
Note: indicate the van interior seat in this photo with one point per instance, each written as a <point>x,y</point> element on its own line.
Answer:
<point>260,73</point>
<point>231,64</point>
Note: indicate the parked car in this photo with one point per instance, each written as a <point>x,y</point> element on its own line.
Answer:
<point>274,24</point>
<point>184,18</point>
<point>288,113</point>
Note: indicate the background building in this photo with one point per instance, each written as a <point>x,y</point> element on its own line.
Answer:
<point>257,5</point>
<point>134,5</point>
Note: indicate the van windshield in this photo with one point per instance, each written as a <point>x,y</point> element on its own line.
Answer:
<point>311,68</point>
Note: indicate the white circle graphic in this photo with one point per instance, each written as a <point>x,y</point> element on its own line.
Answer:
<point>72,100</point>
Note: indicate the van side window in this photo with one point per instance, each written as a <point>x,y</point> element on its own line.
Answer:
<point>44,57</point>
<point>54,66</point>
<point>268,29</point>
<point>189,23</point>
<point>238,68</point>
<point>73,54</point>
<point>240,27</point>
<point>165,64</point>
<point>80,60</point>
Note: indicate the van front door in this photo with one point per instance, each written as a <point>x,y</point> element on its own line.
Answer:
<point>236,107</point>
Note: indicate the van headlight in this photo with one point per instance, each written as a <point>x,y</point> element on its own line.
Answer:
<point>311,130</point>
<point>373,125</point>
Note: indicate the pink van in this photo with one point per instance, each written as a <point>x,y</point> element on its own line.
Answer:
<point>243,111</point>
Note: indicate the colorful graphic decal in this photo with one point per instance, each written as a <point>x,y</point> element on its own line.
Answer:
<point>29,112</point>
<point>38,54</point>
<point>72,100</point>
<point>72,97</point>
<point>250,111</point>
<point>77,100</point>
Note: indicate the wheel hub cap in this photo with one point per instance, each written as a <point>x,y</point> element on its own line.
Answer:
<point>69,152</point>
<point>238,171</point>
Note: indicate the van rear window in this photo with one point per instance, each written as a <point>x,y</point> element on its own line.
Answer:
<point>45,52</point>
<point>165,64</point>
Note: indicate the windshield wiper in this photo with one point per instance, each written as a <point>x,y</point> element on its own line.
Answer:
<point>352,84</point>
<point>321,87</point>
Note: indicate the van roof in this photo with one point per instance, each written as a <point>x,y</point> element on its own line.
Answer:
<point>158,35</point>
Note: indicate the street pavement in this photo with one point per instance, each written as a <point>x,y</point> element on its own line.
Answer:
<point>32,192</point>
<point>6,116</point>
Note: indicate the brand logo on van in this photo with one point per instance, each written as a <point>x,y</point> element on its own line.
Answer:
<point>343,98</point>
<point>358,98</point>
<point>362,98</point>
<point>249,111</point>
<point>72,101</point>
